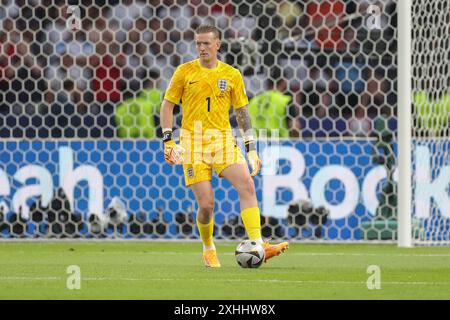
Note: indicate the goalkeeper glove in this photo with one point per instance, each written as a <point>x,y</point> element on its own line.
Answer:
<point>253,158</point>
<point>173,153</point>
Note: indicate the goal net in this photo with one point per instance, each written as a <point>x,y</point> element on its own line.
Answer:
<point>81,83</point>
<point>431,115</point>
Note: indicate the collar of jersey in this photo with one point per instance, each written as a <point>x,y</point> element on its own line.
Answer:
<point>208,69</point>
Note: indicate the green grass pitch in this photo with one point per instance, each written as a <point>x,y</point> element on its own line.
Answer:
<point>174,270</point>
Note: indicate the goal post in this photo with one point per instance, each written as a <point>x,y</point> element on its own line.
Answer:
<point>404,123</point>
<point>423,117</point>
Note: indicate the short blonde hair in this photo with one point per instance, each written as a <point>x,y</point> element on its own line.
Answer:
<point>205,28</point>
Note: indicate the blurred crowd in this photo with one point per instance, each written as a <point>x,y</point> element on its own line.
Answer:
<point>312,68</point>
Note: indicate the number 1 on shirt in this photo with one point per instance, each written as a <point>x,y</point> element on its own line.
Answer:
<point>209,103</point>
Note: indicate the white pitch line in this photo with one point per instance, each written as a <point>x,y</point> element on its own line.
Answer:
<point>280,281</point>
<point>412,283</point>
<point>30,278</point>
<point>299,254</point>
<point>313,254</point>
<point>325,254</point>
<point>373,254</point>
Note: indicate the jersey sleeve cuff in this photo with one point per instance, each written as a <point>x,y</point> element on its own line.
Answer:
<point>240,105</point>
<point>172,99</point>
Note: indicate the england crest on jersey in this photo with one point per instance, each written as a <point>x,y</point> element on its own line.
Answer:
<point>222,84</point>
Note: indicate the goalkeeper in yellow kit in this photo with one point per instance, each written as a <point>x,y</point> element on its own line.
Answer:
<point>207,88</point>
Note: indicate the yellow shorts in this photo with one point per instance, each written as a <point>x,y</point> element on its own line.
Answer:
<point>200,160</point>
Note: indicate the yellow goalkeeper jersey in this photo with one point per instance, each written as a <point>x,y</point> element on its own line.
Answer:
<point>206,94</point>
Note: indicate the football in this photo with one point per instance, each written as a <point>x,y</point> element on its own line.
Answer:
<point>249,254</point>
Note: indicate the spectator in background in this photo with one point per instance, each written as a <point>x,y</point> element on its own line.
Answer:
<point>290,13</point>
<point>432,113</point>
<point>359,124</point>
<point>107,82</point>
<point>328,69</point>
<point>139,117</point>
<point>59,113</point>
<point>273,110</point>
<point>8,48</point>
<point>325,20</point>
<point>137,58</point>
<point>65,114</point>
<point>21,81</point>
<point>366,108</point>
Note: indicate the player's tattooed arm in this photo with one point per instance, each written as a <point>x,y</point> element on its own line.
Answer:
<point>245,125</point>
<point>244,122</point>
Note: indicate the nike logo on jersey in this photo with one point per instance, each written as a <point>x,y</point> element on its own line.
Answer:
<point>192,82</point>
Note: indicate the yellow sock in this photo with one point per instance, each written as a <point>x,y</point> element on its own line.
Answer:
<point>252,222</point>
<point>206,233</point>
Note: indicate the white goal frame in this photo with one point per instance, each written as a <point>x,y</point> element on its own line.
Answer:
<point>404,11</point>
